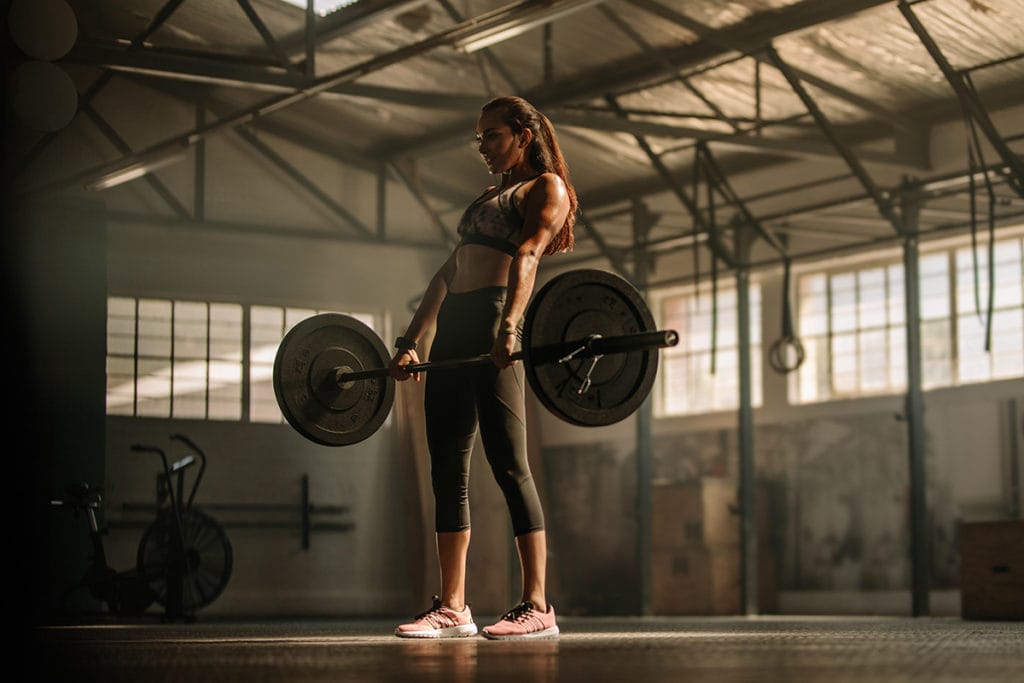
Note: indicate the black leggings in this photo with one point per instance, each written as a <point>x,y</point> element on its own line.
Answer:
<point>457,400</point>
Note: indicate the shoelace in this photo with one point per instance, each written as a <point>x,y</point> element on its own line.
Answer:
<point>435,616</point>
<point>520,612</point>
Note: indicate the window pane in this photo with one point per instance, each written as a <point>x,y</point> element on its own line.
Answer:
<point>686,379</point>
<point>153,388</point>
<point>934,286</point>
<point>727,321</point>
<point>871,304</point>
<point>155,328</point>
<point>898,358</point>
<point>225,390</point>
<point>674,378</point>
<point>226,332</point>
<point>1008,344</point>
<point>968,298</point>
<point>936,353</point>
<point>1009,274</point>
<point>896,300</point>
<point>121,326</point>
<point>844,363</point>
<point>813,305</point>
<point>120,385</point>
<point>189,330</point>
<point>844,302</point>
<point>700,325</point>
<point>813,374</point>
<point>873,360</point>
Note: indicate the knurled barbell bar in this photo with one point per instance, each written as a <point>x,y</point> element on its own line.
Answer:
<point>589,349</point>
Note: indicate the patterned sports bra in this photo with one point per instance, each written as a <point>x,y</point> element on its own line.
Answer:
<point>493,220</point>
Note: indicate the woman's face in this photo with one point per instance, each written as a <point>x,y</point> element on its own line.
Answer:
<point>500,148</point>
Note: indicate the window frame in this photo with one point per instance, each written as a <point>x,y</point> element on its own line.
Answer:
<point>119,357</point>
<point>657,299</point>
<point>948,248</point>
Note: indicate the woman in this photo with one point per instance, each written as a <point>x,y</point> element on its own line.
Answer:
<point>477,300</point>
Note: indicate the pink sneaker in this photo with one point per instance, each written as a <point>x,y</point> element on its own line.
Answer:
<point>524,621</point>
<point>439,622</point>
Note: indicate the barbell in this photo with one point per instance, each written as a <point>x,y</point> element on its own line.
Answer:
<point>589,349</point>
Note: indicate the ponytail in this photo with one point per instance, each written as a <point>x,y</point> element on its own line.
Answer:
<point>545,155</point>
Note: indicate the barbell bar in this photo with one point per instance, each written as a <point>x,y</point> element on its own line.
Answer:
<point>589,349</point>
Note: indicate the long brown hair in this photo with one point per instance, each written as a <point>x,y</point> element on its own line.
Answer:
<point>544,153</point>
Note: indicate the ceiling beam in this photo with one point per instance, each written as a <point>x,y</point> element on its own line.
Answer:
<point>172,149</point>
<point>244,72</point>
<point>754,51</point>
<point>792,147</point>
<point>758,30</point>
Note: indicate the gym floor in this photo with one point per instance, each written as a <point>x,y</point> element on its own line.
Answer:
<point>625,650</point>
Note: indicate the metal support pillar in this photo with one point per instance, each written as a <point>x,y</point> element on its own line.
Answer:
<point>643,221</point>
<point>748,525</point>
<point>309,40</point>
<point>914,412</point>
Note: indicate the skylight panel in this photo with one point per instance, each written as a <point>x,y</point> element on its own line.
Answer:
<point>322,7</point>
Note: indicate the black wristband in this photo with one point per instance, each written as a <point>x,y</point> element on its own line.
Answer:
<point>405,344</point>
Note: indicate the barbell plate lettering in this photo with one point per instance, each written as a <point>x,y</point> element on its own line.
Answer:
<point>306,371</point>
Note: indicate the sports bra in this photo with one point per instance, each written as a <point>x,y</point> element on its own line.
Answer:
<point>493,220</point>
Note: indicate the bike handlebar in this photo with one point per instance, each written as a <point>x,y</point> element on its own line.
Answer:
<point>202,463</point>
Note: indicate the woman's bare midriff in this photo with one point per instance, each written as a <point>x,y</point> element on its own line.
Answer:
<point>478,266</point>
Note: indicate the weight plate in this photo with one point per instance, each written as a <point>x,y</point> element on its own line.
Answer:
<point>573,306</point>
<point>305,380</point>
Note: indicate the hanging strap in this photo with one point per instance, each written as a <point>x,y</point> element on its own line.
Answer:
<point>990,303</point>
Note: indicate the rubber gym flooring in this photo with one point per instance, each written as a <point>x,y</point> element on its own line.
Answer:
<point>624,650</point>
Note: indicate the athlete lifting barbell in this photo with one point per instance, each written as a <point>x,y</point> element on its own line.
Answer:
<point>589,352</point>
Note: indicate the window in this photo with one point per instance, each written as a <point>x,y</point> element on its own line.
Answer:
<point>184,359</point>
<point>1006,356</point>
<point>701,373</point>
<point>174,358</point>
<point>852,324</point>
<point>268,325</point>
<point>851,328</point>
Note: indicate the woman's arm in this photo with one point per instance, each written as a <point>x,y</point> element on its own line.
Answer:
<point>545,211</point>
<point>422,319</point>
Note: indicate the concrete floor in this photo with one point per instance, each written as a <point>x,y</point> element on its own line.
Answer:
<point>625,650</point>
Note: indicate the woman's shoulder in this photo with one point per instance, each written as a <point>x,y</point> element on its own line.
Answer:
<point>549,178</point>
<point>547,183</point>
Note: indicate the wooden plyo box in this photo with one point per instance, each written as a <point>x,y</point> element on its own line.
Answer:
<point>992,570</point>
<point>701,512</point>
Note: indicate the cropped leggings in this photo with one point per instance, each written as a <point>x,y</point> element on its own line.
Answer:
<point>459,400</point>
